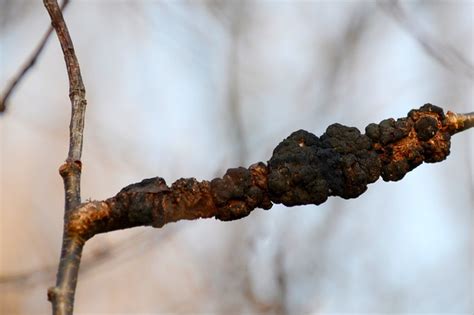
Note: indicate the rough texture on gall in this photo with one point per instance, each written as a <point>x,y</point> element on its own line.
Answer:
<point>303,169</point>
<point>407,142</point>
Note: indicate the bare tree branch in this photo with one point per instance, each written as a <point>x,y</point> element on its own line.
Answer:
<point>304,169</point>
<point>29,63</point>
<point>62,295</point>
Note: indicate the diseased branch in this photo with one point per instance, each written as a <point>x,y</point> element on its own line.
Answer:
<point>304,169</point>
<point>27,65</point>
<point>62,295</point>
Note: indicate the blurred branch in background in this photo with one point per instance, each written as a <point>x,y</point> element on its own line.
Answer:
<point>340,54</point>
<point>27,66</point>
<point>448,56</point>
<point>131,248</point>
<point>232,15</point>
<point>235,29</point>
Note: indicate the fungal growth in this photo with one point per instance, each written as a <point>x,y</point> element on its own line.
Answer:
<point>304,169</point>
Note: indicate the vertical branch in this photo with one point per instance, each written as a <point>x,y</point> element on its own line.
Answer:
<point>76,86</point>
<point>62,295</point>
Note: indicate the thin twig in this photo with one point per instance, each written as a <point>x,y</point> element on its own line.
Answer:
<point>29,63</point>
<point>62,295</point>
<point>460,122</point>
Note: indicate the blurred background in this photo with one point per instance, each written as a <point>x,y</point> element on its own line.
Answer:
<point>191,88</point>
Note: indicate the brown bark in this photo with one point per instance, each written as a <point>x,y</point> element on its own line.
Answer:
<point>304,169</point>
<point>62,295</point>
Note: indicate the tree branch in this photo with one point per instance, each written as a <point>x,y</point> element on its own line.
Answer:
<point>62,295</point>
<point>304,169</point>
<point>30,62</point>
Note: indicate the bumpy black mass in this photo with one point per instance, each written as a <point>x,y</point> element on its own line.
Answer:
<point>305,169</point>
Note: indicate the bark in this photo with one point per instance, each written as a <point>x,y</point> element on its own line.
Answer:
<point>62,295</point>
<point>304,169</point>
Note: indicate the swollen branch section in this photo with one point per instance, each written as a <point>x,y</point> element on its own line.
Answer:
<point>304,169</point>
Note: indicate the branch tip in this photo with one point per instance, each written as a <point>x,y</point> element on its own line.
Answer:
<point>459,122</point>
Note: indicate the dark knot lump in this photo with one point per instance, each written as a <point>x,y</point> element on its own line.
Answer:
<point>305,169</point>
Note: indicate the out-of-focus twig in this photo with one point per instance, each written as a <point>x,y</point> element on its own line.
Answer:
<point>232,15</point>
<point>127,248</point>
<point>29,63</point>
<point>339,57</point>
<point>448,56</point>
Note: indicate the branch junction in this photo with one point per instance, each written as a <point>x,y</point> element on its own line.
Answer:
<point>304,169</point>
